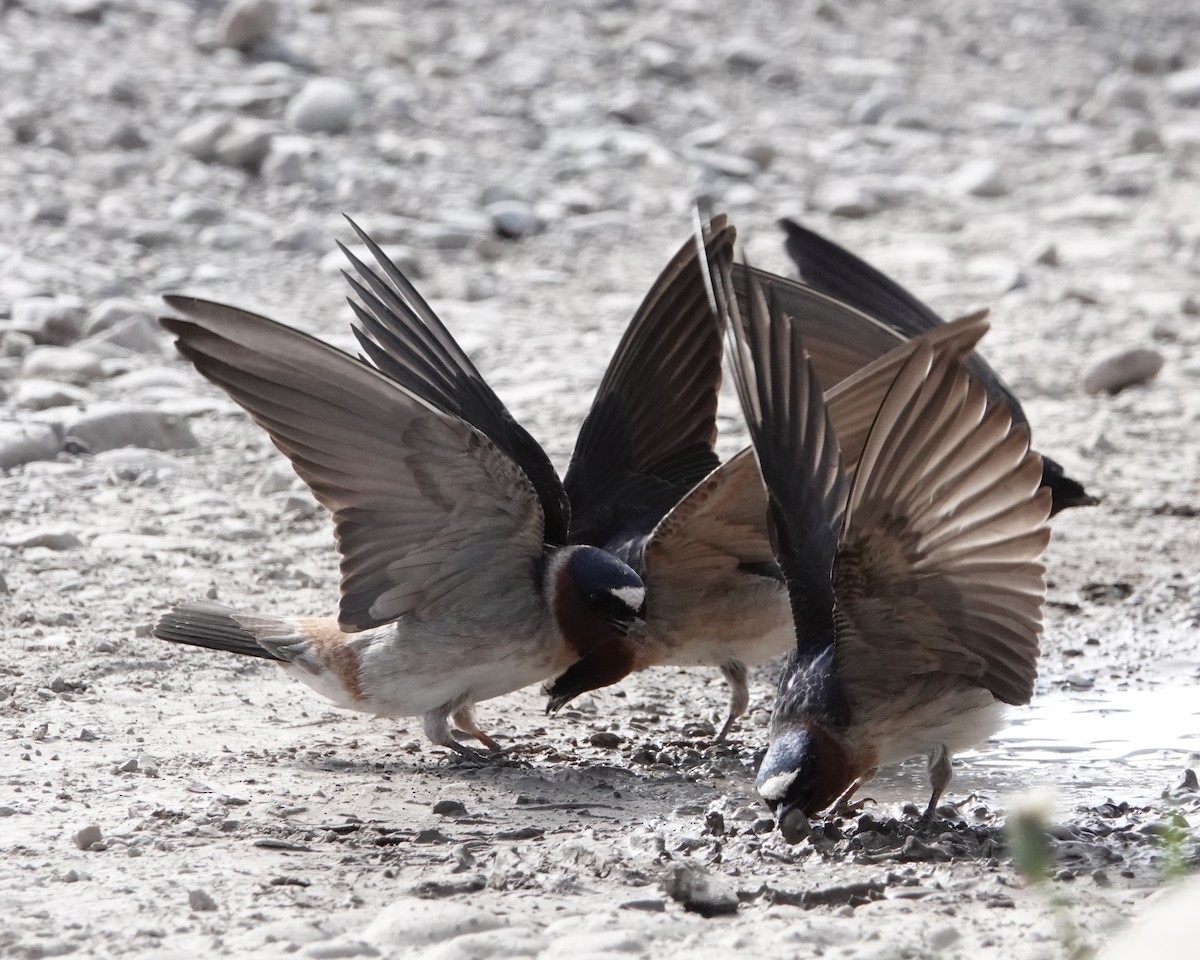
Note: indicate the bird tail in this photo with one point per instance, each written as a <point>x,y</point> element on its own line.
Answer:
<point>202,623</point>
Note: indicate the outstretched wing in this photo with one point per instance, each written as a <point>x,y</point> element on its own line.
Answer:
<point>836,271</point>
<point>939,569</point>
<point>649,435</point>
<point>797,452</point>
<point>432,519</point>
<point>839,339</point>
<point>403,338</point>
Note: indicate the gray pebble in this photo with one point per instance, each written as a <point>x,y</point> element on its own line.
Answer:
<point>1184,87</point>
<point>513,219</point>
<point>846,198</point>
<point>978,178</point>
<point>37,394</point>
<point>22,443</point>
<point>200,139</point>
<point>47,540</point>
<point>244,23</point>
<point>1124,368</point>
<point>114,312</point>
<point>186,208</point>
<point>285,160</point>
<point>200,901</point>
<point>54,321</point>
<point>106,427</point>
<point>245,146</point>
<point>700,891</point>
<point>68,364</point>
<point>325,105</point>
<point>339,948</point>
<point>87,836</point>
<point>450,808</point>
<point>414,922</point>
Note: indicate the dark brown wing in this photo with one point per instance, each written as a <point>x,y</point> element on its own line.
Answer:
<point>433,520</point>
<point>403,338</point>
<point>939,569</point>
<point>648,438</point>
<point>798,456</point>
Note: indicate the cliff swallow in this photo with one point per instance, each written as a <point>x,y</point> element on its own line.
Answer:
<point>461,575</point>
<point>715,595</point>
<point>835,271</point>
<point>915,579</point>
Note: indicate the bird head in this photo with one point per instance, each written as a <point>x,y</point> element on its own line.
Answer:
<point>597,598</point>
<point>805,769</point>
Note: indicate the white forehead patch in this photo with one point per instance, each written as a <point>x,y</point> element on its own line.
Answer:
<point>632,597</point>
<point>776,787</point>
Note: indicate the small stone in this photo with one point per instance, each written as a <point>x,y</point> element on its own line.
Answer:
<point>325,105</point>
<point>940,938</point>
<point>1143,137</point>
<point>87,836</point>
<point>35,394</point>
<point>700,891</point>
<point>285,160</point>
<point>450,808</point>
<point>416,922</point>
<point>195,210</point>
<point>26,442</point>
<point>1124,368</point>
<point>847,198</point>
<point>606,740</point>
<point>978,178</point>
<point>107,427</point>
<point>246,146</point>
<point>245,23</point>
<point>47,540</point>
<point>68,364</point>
<point>53,321</point>
<point>200,139</point>
<point>200,901</point>
<point>513,219</point>
<point>86,735</point>
<point>1047,255</point>
<point>1183,87</point>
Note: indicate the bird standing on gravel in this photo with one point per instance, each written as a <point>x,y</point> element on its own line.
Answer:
<point>916,585</point>
<point>463,575</point>
<point>831,269</point>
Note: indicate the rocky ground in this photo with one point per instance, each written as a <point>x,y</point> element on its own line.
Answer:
<point>531,166</point>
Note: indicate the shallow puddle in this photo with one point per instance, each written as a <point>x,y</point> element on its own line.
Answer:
<point>1129,745</point>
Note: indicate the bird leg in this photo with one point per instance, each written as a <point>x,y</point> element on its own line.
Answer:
<point>437,728</point>
<point>842,807</point>
<point>739,694</point>
<point>941,772</point>
<point>464,719</point>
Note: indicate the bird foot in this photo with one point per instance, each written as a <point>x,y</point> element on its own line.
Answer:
<point>850,808</point>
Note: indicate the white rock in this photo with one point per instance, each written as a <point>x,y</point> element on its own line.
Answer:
<point>35,394</point>
<point>68,364</point>
<point>57,321</point>
<point>87,836</point>
<point>1124,368</point>
<point>246,146</point>
<point>846,198</point>
<point>244,23</point>
<point>106,427</point>
<point>513,219</point>
<point>1184,87</point>
<point>200,139</point>
<point>25,442</point>
<point>413,922</point>
<point>138,334</point>
<point>978,178</point>
<point>325,105</point>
